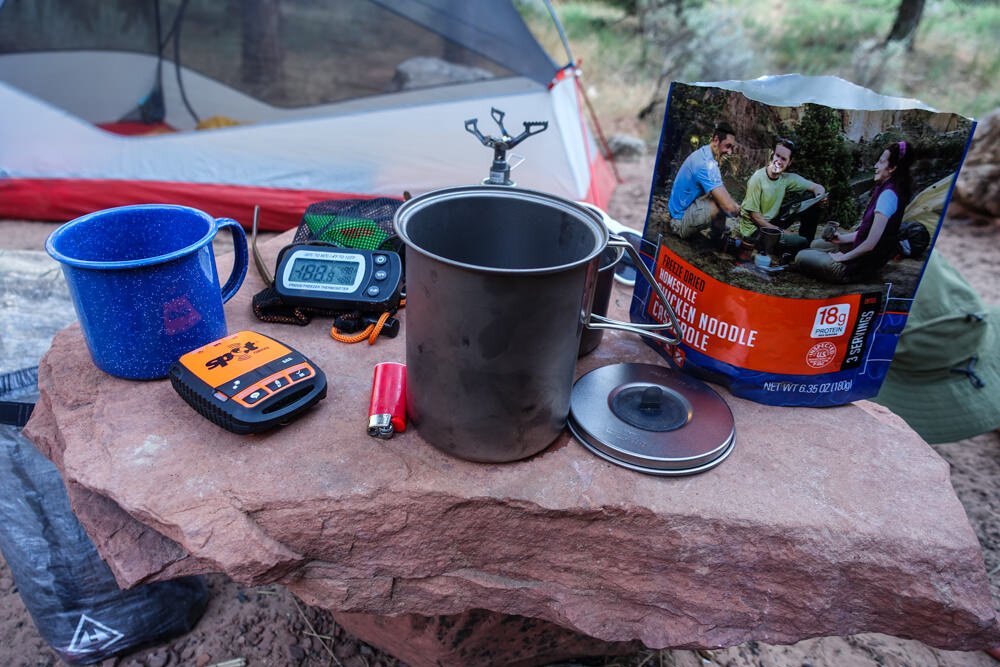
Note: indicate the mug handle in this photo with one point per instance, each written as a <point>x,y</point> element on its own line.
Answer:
<point>240,250</point>
<point>668,333</point>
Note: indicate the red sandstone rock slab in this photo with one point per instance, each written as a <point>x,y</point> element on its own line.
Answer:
<point>822,521</point>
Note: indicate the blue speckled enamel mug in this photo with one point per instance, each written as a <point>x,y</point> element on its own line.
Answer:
<point>144,283</point>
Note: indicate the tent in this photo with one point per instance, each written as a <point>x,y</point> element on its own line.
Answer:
<point>302,100</point>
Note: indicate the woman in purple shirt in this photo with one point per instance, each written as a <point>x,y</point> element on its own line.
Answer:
<point>858,255</point>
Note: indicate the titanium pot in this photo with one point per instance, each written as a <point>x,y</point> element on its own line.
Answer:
<point>591,337</point>
<point>499,285</point>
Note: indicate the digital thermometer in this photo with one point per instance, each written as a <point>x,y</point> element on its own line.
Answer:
<point>333,278</point>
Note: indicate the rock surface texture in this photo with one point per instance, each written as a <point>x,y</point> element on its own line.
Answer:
<point>821,522</point>
<point>978,188</point>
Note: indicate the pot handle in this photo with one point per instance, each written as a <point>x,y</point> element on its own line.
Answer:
<point>669,332</point>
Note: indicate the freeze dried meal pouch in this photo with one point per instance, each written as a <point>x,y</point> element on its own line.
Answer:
<point>780,226</point>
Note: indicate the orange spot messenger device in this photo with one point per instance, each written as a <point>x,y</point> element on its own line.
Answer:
<point>247,382</point>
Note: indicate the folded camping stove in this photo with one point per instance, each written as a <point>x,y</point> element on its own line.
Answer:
<point>500,169</point>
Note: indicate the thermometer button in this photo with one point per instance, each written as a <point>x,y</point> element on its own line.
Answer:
<point>373,290</point>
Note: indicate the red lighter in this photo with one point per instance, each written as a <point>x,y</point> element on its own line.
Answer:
<point>387,409</point>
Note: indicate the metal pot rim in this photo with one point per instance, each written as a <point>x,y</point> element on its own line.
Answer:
<point>420,202</point>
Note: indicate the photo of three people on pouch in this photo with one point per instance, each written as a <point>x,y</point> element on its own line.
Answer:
<point>699,200</point>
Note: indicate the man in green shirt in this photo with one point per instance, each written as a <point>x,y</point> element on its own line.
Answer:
<point>765,193</point>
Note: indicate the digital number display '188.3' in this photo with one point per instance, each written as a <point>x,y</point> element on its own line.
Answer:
<point>329,272</point>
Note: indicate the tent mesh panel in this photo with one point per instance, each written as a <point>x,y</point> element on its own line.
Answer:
<point>289,53</point>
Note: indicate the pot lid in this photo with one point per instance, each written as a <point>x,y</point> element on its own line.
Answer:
<point>651,419</point>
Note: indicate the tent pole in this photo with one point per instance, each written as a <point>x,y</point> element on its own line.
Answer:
<point>605,147</point>
<point>559,29</point>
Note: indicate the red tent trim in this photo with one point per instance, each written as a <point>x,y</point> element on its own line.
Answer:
<point>61,199</point>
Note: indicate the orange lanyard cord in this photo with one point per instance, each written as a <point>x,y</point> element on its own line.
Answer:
<point>371,332</point>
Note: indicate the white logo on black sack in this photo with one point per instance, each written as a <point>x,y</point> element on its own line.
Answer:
<point>91,635</point>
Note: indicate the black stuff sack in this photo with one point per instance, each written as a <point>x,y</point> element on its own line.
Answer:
<point>914,239</point>
<point>68,589</point>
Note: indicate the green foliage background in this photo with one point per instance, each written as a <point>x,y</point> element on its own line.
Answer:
<point>630,50</point>
<point>824,157</point>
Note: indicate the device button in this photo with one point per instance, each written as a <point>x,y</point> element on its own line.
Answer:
<point>239,384</point>
<point>278,383</point>
<point>373,291</point>
<point>381,274</point>
<point>283,364</point>
<point>300,373</point>
<point>254,396</point>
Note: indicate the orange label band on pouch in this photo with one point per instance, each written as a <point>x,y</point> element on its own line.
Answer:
<point>761,332</point>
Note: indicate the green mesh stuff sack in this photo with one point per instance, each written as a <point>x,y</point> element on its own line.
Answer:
<point>352,223</point>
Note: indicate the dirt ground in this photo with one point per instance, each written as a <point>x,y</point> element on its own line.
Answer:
<point>268,626</point>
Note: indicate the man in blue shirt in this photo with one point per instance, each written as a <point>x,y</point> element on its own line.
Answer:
<point>698,197</point>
